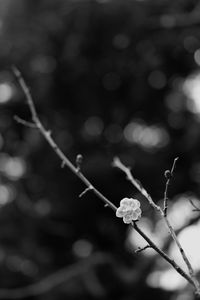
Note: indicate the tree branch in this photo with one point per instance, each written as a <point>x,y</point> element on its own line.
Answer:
<point>117,163</point>
<point>168,175</point>
<point>66,162</point>
<point>47,135</point>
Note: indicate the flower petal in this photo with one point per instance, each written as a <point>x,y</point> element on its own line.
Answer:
<point>127,219</point>
<point>124,201</point>
<point>135,203</point>
<point>120,212</point>
<point>135,216</point>
<point>138,211</point>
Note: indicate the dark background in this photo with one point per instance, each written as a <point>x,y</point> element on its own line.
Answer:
<point>106,78</point>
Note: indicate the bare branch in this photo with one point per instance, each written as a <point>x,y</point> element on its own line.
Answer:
<point>26,91</point>
<point>117,163</point>
<point>168,175</point>
<point>89,188</point>
<point>24,122</point>
<point>139,249</point>
<point>164,255</point>
<point>47,135</point>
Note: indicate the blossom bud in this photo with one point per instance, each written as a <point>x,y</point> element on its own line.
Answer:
<point>168,174</point>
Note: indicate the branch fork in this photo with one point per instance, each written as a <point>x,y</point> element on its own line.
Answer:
<point>76,169</point>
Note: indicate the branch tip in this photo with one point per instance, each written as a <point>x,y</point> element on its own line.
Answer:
<point>24,122</point>
<point>89,188</point>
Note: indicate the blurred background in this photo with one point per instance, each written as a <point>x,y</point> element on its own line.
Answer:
<point>109,78</point>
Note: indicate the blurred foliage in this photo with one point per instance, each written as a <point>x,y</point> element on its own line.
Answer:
<point>107,78</point>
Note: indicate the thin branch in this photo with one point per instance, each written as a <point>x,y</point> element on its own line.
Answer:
<point>140,249</point>
<point>89,188</point>
<point>47,135</point>
<point>24,122</point>
<point>29,99</point>
<point>65,161</point>
<point>117,163</point>
<point>172,232</point>
<point>168,175</point>
<point>164,255</point>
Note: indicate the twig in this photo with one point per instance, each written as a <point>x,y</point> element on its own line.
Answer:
<point>164,255</point>
<point>117,163</point>
<point>89,188</point>
<point>139,249</point>
<point>47,135</point>
<point>24,122</point>
<point>172,232</point>
<point>168,175</point>
<point>65,161</point>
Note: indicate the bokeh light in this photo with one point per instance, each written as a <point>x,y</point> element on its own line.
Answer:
<point>149,137</point>
<point>7,194</point>
<point>134,240</point>
<point>188,238</point>
<point>6,92</point>
<point>12,167</point>
<point>93,127</point>
<point>191,88</point>
<point>121,41</point>
<point>82,248</point>
<point>17,263</point>
<point>43,64</point>
<point>166,279</point>
<point>167,21</point>
<point>197,57</point>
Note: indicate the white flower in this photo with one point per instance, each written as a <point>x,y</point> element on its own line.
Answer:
<point>129,210</point>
